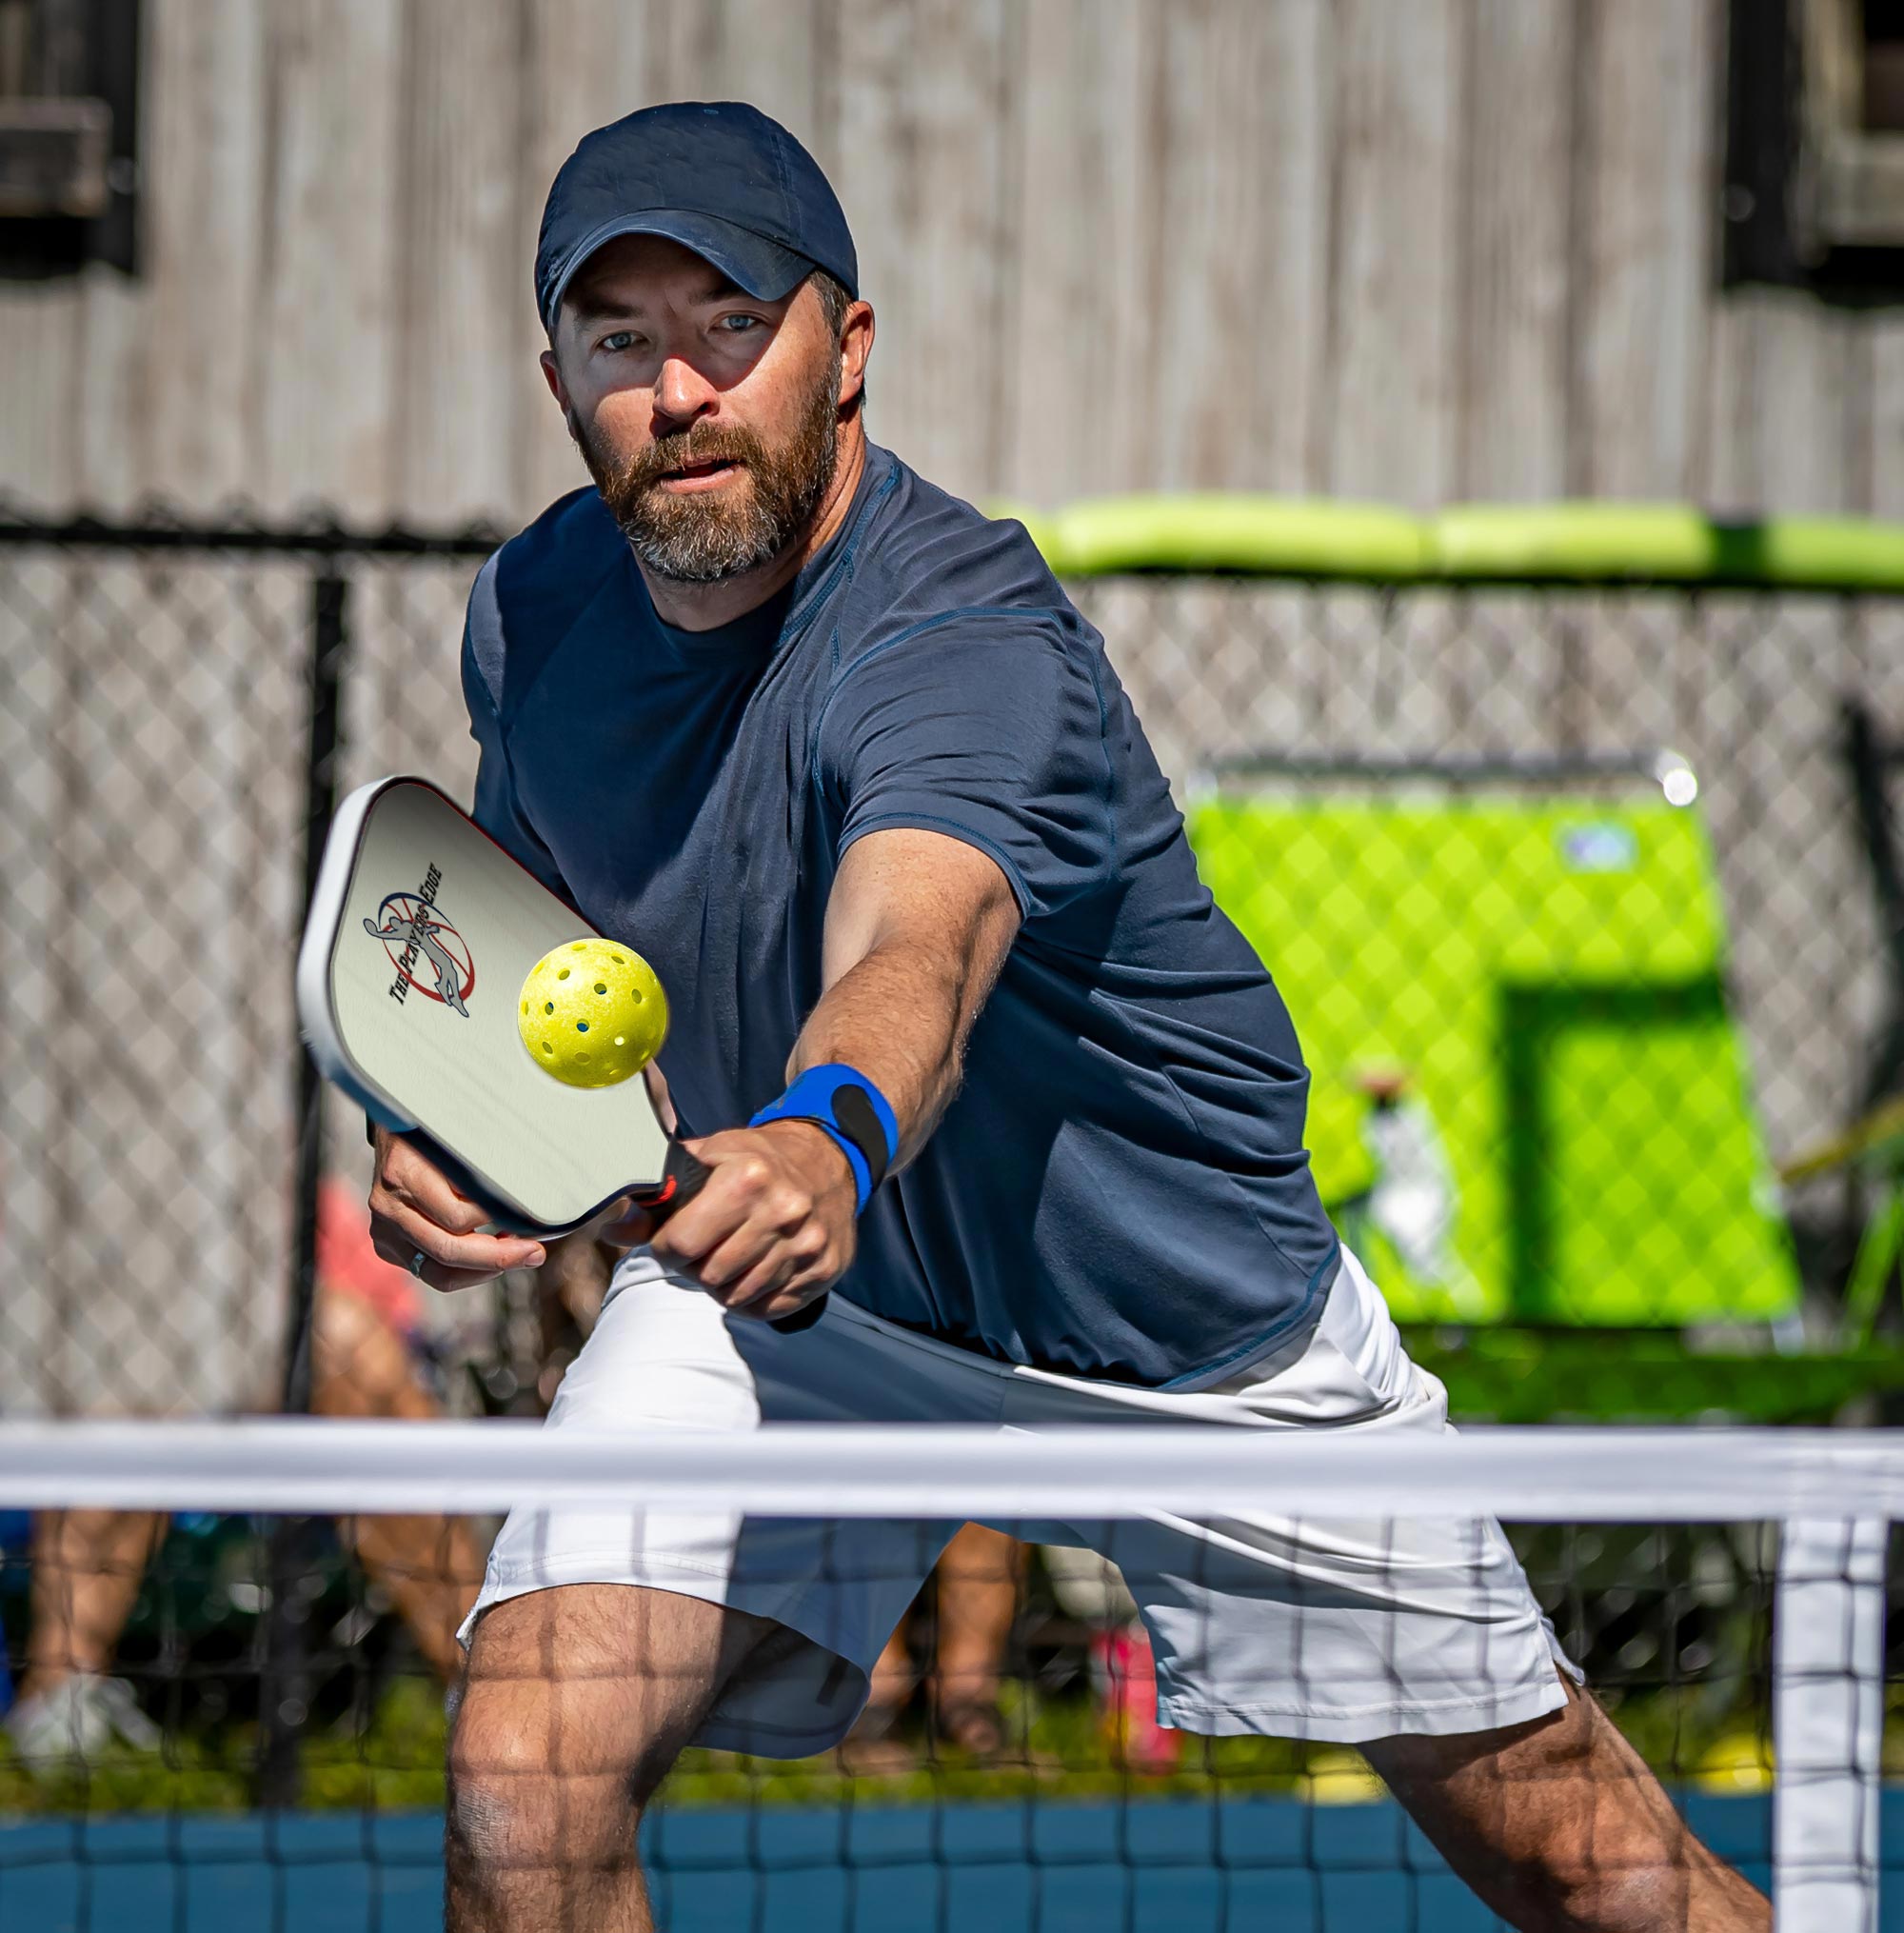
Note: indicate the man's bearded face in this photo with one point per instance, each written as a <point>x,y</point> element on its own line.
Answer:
<point>699,536</point>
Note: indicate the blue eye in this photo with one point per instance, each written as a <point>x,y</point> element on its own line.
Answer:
<point>622,338</point>
<point>736,325</point>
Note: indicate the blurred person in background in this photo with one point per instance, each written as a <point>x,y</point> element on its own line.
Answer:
<point>367,1362</point>
<point>1124,1671</point>
<point>88,1566</point>
<point>975,1595</point>
<point>975,1591</point>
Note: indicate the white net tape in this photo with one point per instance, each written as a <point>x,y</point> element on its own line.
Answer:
<point>1524,1475</point>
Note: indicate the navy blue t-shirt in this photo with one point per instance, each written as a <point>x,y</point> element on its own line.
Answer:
<point>1120,1188</point>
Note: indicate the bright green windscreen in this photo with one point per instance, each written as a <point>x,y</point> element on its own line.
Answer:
<point>1529,1100</point>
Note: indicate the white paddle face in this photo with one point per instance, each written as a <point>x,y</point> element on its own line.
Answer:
<point>421,936</point>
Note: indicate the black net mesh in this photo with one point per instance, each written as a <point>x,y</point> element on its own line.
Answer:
<point>1009,1763</point>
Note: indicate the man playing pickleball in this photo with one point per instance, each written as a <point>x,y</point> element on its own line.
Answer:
<point>963,1039</point>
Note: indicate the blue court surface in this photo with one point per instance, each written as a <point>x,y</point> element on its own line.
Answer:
<point>1185,1866</point>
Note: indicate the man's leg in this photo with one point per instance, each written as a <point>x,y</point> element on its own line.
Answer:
<point>978,1601</point>
<point>1557,1823</point>
<point>1344,1631</point>
<point>429,1565</point>
<point>577,1701</point>
<point>87,1567</point>
<point>873,1748</point>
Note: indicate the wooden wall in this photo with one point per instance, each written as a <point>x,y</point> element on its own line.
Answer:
<point>1409,249</point>
<point>1416,250</point>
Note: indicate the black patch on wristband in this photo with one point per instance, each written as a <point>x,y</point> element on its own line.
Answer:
<point>854,1116</point>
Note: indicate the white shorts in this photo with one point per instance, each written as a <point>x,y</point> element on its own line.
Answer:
<point>1266,1623</point>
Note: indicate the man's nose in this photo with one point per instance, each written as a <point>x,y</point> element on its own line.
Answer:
<point>683,394</point>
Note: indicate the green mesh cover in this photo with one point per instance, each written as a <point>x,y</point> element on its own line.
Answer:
<point>1529,1100</point>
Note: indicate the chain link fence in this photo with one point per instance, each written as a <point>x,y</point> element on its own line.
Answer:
<point>169,730</point>
<point>167,699</point>
<point>1585,900</point>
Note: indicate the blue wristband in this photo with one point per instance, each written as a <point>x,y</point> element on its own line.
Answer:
<point>847,1108</point>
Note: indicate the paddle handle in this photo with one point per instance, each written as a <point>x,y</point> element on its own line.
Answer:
<point>682,1177</point>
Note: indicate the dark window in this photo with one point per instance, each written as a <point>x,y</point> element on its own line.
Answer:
<point>1815,149</point>
<point>1884,66</point>
<point>69,135</point>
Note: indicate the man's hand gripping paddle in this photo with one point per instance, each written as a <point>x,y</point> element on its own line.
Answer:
<point>469,1009</point>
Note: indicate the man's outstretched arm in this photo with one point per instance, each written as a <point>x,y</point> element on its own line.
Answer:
<point>917,927</point>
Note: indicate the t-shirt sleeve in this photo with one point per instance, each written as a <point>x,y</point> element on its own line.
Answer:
<point>989,729</point>
<point>496,806</point>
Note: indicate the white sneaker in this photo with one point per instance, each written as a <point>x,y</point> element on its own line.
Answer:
<point>76,1721</point>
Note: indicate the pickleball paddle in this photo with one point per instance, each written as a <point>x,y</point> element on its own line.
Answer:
<point>422,937</point>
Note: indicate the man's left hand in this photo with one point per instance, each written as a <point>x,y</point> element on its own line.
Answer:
<point>772,1228</point>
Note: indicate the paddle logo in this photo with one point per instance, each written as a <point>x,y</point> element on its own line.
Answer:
<point>429,953</point>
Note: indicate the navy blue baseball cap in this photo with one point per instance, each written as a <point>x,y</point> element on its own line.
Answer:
<point>717,177</point>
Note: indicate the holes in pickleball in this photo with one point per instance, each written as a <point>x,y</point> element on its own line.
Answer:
<point>579,946</point>
<point>580,1027</point>
<point>546,1048</point>
<point>561,973</point>
<point>601,986</point>
<point>621,1040</point>
<point>548,1007</point>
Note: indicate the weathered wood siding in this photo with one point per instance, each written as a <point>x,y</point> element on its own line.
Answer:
<point>1410,250</point>
<point>1418,250</point>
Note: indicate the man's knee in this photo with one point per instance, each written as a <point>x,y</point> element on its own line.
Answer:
<point>1618,1896</point>
<point>527,1793</point>
<point>577,1703</point>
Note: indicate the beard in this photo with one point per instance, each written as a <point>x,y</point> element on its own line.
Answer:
<point>709,535</point>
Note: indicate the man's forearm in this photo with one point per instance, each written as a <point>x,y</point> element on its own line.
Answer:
<point>917,927</point>
<point>900,1016</point>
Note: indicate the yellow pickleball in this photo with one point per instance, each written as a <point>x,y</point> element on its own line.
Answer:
<point>592,1014</point>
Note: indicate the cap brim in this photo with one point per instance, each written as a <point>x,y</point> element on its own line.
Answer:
<point>758,267</point>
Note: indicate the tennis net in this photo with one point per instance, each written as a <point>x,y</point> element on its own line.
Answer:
<point>261,1738</point>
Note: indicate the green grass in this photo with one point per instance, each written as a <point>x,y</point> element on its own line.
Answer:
<point>1055,1753</point>
<point>395,1763</point>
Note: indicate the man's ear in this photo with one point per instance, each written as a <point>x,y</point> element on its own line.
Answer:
<point>552,372</point>
<point>856,345</point>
